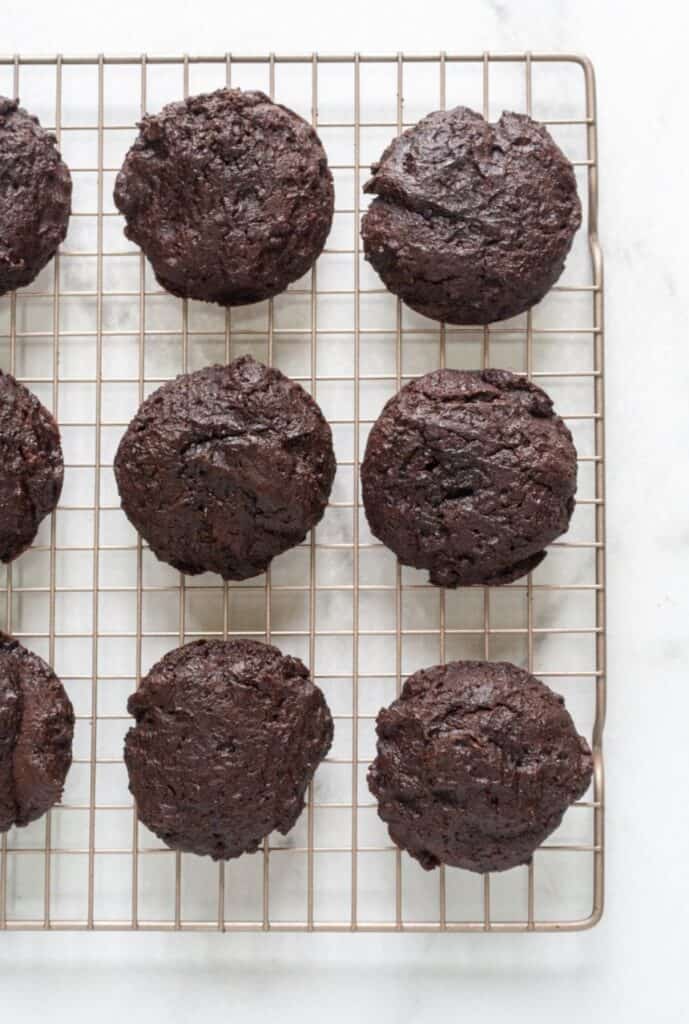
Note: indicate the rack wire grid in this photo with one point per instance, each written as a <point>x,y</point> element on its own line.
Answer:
<point>94,334</point>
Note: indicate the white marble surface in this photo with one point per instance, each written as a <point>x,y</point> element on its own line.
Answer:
<point>633,964</point>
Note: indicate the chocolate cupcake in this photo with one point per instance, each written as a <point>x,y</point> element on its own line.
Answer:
<point>227,738</point>
<point>477,764</point>
<point>228,194</point>
<point>222,469</point>
<point>472,221</point>
<point>31,466</point>
<point>469,474</point>
<point>36,728</point>
<point>35,197</point>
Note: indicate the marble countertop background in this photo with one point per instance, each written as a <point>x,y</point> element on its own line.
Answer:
<point>633,964</point>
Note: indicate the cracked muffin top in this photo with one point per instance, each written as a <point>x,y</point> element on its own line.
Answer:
<point>35,197</point>
<point>472,221</point>
<point>227,738</point>
<point>477,763</point>
<point>222,469</point>
<point>228,194</point>
<point>469,474</point>
<point>36,728</point>
<point>31,466</point>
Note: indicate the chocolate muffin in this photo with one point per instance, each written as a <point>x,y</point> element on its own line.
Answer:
<point>227,738</point>
<point>228,194</point>
<point>31,466</point>
<point>469,474</point>
<point>472,221</point>
<point>36,727</point>
<point>477,764</point>
<point>222,469</point>
<point>35,197</point>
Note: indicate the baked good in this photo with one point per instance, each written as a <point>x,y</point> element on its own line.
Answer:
<point>227,738</point>
<point>228,194</point>
<point>472,221</point>
<point>36,727</point>
<point>222,469</point>
<point>477,763</point>
<point>31,466</point>
<point>35,197</point>
<point>469,474</point>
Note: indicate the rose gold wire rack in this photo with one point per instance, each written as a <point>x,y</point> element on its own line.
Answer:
<point>94,334</point>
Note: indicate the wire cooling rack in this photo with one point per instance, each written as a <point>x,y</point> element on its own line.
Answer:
<point>94,334</point>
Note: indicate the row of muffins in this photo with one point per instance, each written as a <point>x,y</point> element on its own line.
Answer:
<point>476,762</point>
<point>225,468</point>
<point>231,198</point>
<point>466,474</point>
